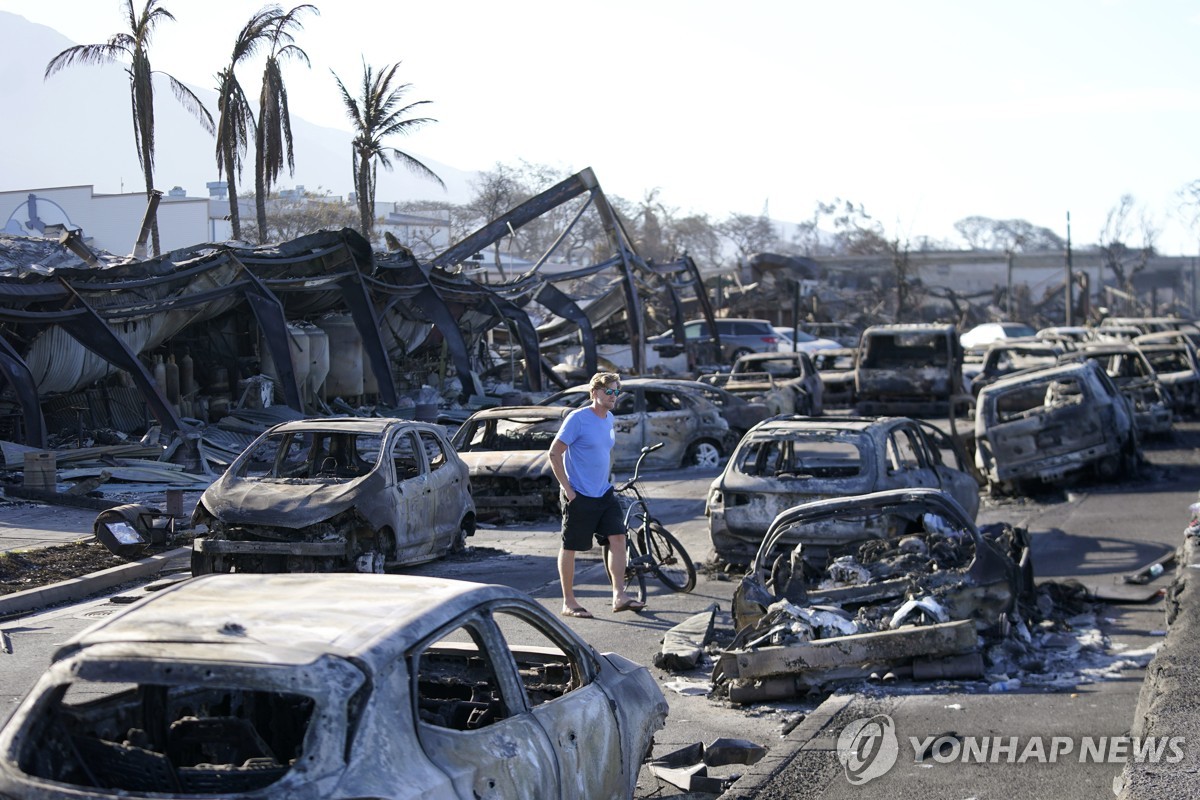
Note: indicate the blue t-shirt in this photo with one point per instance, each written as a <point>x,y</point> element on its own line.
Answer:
<point>589,440</point>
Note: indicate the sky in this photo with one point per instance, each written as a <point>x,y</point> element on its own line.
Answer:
<point>922,111</point>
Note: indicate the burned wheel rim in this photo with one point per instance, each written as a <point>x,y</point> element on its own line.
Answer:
<point>704,454</point>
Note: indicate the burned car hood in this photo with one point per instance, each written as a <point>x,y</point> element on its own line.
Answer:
<point>284,504</point>
<point>509,463</point>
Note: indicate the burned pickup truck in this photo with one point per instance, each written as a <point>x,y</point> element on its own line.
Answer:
<point>908,369</point>
<point>336,495</point>
<point>899,581</point>
<point>1047,424</point>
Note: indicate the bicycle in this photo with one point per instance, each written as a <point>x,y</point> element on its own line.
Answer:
<point>649,546</point>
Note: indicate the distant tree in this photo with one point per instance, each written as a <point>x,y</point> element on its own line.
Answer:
<point>298,215</point>
<point>235,117</point>
<point>273,133</point>
<point>697,236</point>
<point>376,113</point>
<point>854,231</point>
<point>1124,221</point>
<point>133,46</point>
<point>1007,235</point>
<point>748,234</point>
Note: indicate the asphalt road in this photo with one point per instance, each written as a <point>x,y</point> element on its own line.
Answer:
<point>1093,533</point>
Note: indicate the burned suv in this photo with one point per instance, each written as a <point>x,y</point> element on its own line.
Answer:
<point>336,495</point>
<point>1051,423</point>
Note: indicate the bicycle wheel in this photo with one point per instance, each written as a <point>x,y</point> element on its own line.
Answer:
<point>635,575</point>
<point>669,560</point>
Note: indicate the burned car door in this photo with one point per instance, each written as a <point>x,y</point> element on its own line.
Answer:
<point>415,503</point>
<point>471,717</point>
<point>669,420</point>
<point>907,461</point>
<point>957,473</point>
<point>579,718</point>
<point>629,428</point>
<point>446,490</point>
<point>509,709</point>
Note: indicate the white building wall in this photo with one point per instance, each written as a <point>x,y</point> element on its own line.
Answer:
<point>110,222</point>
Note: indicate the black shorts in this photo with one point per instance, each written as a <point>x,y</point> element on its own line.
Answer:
<point>585,517</point>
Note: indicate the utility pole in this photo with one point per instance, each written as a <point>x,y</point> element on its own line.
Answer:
<point>1068,288</point>
<point>1008,292</point>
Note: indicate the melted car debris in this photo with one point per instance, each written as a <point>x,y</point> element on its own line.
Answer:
<point>934,599</point>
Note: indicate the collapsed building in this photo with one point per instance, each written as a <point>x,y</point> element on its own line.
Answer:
<point>93,341</point>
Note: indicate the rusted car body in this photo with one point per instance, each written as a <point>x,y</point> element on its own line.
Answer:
<point>331,686</point>
<point>1006,356</point>
<point>1173,358</point>
<point>836,369</point>
<point>740,413</point>
<point>787,383</point>
<point>1133,375</point>
<point>336,494</point>
<point>1052,423</point>
<point>506,450</point>
<point>899,581</point>
<point>787,461</point>
<point>650,411</point>
<point>913,369</point>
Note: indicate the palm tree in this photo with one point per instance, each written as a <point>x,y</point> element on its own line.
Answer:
<point>375,115</point>
<point>273,137</point>
<point>133,45</point>
<point>235,117</point>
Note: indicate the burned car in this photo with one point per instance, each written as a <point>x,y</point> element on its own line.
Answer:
<point>507,451</point>
<point>788,383</point>
<point>900,581</point>
<point>334,495</point>
<point>1136,379</point>
<point>649,411</point>
<point>1052,423</point>
<point>1173,359</point>
<point>1006,356</point>
<point>331,686</point>
<point>786,461</point>
<point>908,369</point>
<point>740,413</point>
<point>836,368</point>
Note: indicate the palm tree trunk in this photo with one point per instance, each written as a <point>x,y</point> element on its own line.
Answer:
<point>148,172</point>
<point>235,217</point>
<point>363,184</point>
<point>260,191</point>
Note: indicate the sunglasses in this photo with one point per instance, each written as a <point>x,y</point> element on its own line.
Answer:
<point>612,392</point>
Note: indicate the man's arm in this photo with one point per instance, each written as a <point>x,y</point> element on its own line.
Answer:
<point>558,449</point>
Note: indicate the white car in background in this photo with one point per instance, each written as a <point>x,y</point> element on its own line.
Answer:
<point>989,332</point>
<point>791,340</point>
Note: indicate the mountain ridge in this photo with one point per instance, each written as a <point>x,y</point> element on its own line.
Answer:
<point>41,145</point>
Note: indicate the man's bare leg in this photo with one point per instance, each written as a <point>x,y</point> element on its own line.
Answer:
<point>566,576</point>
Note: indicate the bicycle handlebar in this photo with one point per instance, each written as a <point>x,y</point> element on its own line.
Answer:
<point>650,448</point>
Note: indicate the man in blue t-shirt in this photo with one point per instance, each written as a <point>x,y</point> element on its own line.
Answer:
<point>581,457</point>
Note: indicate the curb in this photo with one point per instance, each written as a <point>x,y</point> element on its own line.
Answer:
<point>753,782</point>
<point>1166,705</point>
<point>77,588</point>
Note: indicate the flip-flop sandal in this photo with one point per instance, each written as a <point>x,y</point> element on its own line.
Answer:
<point>578,613</point>
<point>628,605</point>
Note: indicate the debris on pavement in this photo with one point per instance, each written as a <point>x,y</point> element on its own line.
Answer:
<point>683,646</point>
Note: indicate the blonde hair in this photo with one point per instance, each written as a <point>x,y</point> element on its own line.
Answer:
<point>600,379</point>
